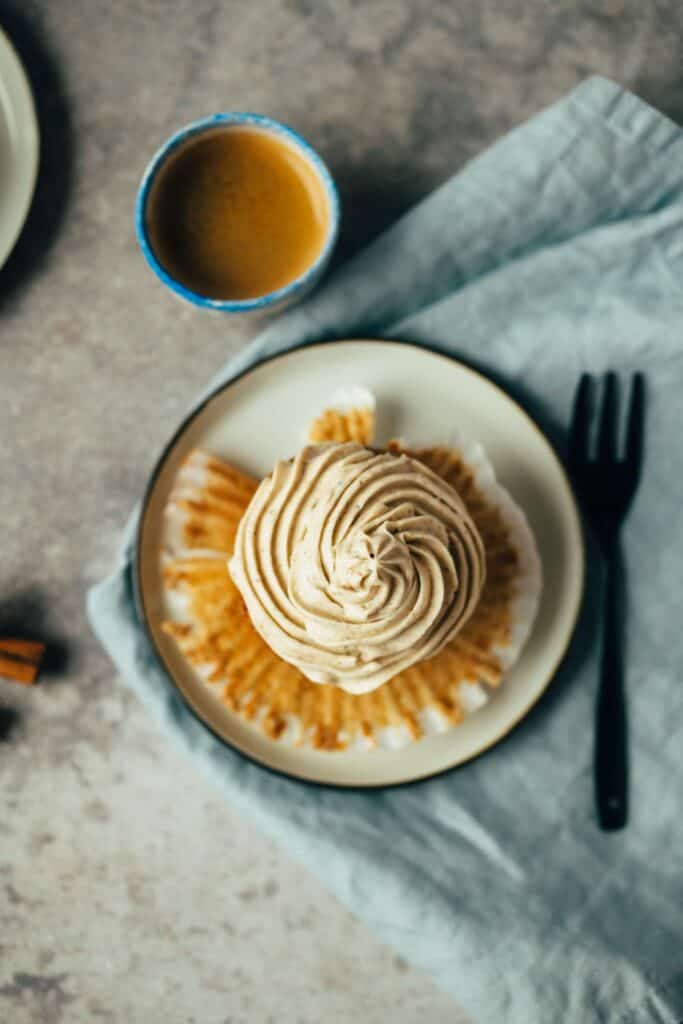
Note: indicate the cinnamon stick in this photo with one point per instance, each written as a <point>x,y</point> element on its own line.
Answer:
<point>20,660</point>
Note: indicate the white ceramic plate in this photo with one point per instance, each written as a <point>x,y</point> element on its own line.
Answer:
<point>421,396</point>
<point>19,147</point>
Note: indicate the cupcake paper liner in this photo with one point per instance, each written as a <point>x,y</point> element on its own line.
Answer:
<point>212,628</point>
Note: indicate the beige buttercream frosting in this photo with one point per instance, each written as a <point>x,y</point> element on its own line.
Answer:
<point>355,564</point>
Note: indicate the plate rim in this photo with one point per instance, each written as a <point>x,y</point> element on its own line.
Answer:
<point>139,599</point>
<point>20,96</point>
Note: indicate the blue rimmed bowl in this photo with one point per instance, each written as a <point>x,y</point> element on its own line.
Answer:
<point>271,301</point>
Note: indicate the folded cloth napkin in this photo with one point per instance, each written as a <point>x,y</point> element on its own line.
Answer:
<point>557,251</point>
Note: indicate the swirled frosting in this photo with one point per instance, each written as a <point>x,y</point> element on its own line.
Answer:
<point>356,564</point>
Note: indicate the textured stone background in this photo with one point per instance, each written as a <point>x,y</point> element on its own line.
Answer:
<point>128,891</point>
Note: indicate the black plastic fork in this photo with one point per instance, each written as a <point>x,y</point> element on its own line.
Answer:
<point>606,482</point>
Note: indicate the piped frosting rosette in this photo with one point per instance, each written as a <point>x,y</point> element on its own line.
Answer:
<point>356,564</point>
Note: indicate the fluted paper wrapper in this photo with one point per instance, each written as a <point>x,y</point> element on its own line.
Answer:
<point>213,629</point>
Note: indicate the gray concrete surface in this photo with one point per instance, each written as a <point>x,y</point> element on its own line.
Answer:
<point>128,891</point>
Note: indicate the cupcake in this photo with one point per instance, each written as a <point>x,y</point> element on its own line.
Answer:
<point>356,597</point>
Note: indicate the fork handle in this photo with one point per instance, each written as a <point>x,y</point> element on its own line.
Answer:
<point>610,755</point>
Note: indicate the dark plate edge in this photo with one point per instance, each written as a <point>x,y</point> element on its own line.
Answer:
<point>138,597</point>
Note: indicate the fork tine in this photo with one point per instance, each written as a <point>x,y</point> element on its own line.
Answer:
<point>635,424</point>
<point>607,436</point>
<point>580,428</point>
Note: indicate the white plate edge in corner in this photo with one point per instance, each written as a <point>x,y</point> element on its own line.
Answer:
<point>19,112</point>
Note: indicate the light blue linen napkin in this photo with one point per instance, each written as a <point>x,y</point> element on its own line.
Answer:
<point>559,250</point>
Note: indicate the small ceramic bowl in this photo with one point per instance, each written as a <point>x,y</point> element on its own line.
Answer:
<point>290,292</point>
